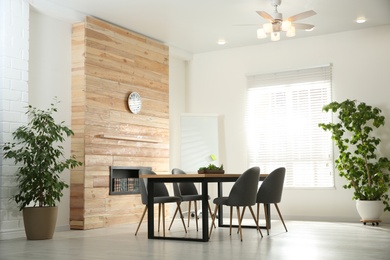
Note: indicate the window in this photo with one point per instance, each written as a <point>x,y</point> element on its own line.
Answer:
<point>282,116</point>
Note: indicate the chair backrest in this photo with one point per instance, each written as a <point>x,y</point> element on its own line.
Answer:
<point>160,190</point>
<point>271,189</point>
<point>243,192</point>
<point>183,188</point>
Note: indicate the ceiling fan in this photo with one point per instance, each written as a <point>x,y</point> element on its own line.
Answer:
<point>277,24</point>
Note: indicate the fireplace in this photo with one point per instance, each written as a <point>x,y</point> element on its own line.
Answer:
<point>125,179</point>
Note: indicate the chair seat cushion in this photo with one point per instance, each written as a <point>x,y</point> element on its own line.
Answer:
<point>166,199</point>
<point>221,201</point>
<point>191,197</point>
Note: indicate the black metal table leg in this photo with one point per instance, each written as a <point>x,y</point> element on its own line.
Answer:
<point>150,209</point>
<point>205,212</point>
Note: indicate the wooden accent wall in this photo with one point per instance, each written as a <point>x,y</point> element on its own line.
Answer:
<point>108,64</point>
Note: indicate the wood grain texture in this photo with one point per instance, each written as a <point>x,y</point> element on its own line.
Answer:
<point>109,63</point>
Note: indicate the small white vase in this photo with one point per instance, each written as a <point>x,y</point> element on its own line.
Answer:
<point>369,209</point>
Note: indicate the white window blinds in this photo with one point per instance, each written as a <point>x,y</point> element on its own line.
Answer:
<point>282,116</point>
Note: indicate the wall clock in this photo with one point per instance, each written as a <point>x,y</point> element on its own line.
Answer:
<point>135,103</point>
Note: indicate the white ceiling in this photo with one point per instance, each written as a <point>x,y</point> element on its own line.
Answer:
<point>195,26</point>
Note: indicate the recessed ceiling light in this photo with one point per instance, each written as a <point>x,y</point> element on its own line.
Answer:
<point>361,19</point>
<point>221,41</point>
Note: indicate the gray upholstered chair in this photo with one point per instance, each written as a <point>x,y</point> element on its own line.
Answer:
<point>187,192</point>
<point>242,194</point>
<point>161,196</point>
<point>270,192</point>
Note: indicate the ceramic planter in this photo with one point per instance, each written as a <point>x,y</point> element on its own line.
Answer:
<point>369,210</point>
<point>40,222</point>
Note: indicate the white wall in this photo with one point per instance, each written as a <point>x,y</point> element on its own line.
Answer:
<point>177,104</point>
<point>14,56</point>
<point>361,62</point>
<point>50,77</point>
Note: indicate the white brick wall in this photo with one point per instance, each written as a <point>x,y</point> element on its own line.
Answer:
<point>14,53</point>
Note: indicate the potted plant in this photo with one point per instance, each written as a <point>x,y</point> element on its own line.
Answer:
<point>37,148</point>
<point>359,161</point>
<point>211,168</point>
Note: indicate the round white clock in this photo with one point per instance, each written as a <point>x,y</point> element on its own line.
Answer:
<point>134,102</point>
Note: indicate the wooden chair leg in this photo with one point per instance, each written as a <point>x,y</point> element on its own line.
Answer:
<point>178,209</point>
<point>267,216</point>
<point>213,219</point>
<point>173,218</point>
<point>211,214</point>
<point>242,215</point>
<point>143,215</point>
<point>280,215</point>
<point>239,221</point>
<point>255,219</point>
<point>181,216</point>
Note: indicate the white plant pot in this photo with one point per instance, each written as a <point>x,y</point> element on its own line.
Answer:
<point>369,209</point>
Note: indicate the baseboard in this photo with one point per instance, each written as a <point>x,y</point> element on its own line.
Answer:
<point>62,228</point>
<point>12,234</point>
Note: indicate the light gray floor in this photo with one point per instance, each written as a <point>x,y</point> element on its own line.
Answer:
<point>305,240</point>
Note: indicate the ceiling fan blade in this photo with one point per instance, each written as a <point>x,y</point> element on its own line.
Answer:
<point>266,16</point>
<point>301,16</point>
<point>303,26</point>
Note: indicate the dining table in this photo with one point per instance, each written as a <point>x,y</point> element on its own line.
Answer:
<point>204,179</point>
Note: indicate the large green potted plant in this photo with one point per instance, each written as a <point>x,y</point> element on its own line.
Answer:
<point>37,148</point>
<point>359,160</point>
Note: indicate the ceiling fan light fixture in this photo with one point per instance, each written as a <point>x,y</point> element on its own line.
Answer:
<point>286,25</point>
<point>291,32</point>
<point>275,36</point>
<point>261,33</point>
<point>276,27</point>
<point>268,27</point>
<point>276,24</point>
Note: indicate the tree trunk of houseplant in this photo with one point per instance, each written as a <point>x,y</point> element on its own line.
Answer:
<point>40,222</point>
